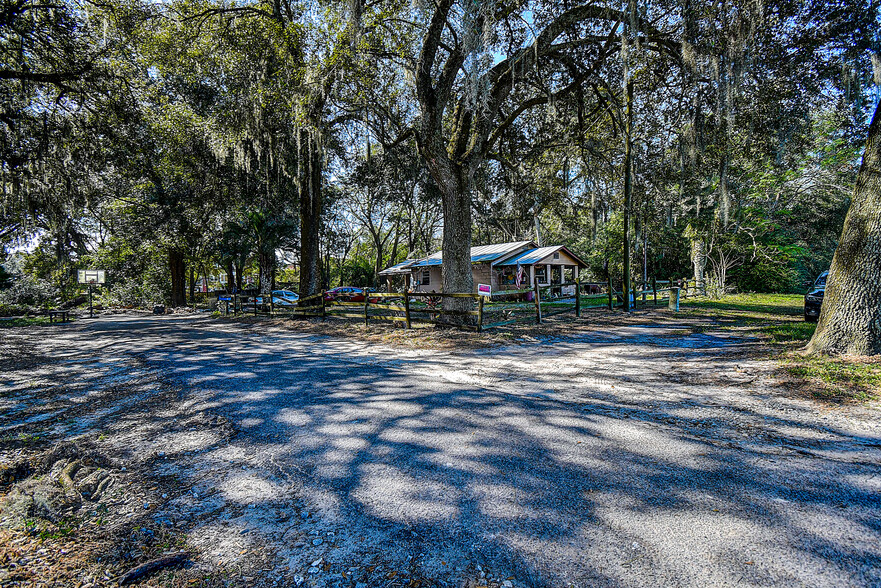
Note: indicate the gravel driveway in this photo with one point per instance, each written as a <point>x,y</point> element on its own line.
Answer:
<point>635,456</point>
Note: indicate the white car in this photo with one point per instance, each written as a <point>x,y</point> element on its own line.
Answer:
<point>279,298</point>
<point>284,297</point>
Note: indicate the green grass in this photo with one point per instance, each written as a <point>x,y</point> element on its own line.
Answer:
<point>23,321</point>
<point>777,304</point>
<point>791,332</point>
<point>778,319</point>
<point>837,378</point>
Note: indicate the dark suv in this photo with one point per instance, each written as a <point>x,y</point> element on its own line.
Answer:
<point>814,298</point>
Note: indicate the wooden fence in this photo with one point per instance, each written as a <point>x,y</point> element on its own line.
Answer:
<point>502,308</point>
<point>409,308</point>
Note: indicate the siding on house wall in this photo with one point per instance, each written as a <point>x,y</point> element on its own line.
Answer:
<point>434,283</point>
<point>482,274</point>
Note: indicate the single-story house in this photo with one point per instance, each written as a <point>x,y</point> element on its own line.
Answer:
<point>497,265</point>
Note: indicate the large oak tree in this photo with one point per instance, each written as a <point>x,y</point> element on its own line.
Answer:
<point>850,321</point>
<point>466,102</point>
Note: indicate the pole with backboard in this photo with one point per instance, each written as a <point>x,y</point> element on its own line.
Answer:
<point>90,277</point>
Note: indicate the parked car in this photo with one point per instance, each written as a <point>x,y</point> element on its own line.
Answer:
<point>280,298</point>
<point>284,297</point>
<point>814,298</point>
<point>349,294</point>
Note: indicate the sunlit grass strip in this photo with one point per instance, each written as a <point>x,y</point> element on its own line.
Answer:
<point>838,378</point>
<point>25,321</point>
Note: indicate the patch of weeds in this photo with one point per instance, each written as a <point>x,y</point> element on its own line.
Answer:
<point>46,530</point>
<point>21,439</point>
<point>838,379</point>
<point>58,532</point>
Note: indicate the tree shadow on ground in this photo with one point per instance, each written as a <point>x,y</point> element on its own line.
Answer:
<point>557,479</point>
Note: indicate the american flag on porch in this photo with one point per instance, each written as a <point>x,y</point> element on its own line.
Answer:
<point>518,278</point>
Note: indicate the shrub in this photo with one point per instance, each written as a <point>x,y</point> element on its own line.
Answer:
<point>25,290</point>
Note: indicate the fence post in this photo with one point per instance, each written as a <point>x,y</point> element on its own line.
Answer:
<point>255,306</point>
<point>673,303</point>
<point>323,308</point>
<point>537,302</point>
<point>611,293</point>
<point>407,309</point>
<point>366,304</point>
<point>655,290</point>
<point>480,313</point>
<point>578,297</point>
<point>271,305</point>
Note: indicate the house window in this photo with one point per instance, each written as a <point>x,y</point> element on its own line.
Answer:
<point>426,277</point>
<point>557,255</point>
<point>541,273</point>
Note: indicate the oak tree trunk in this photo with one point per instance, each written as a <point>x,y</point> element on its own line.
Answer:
<point>456,274</point>
<point>178,269</point>
<point>628,186</point>
<point>266,262</point>
<point>454,183</point>
<point>699,261</point>
<point>850,319</point>
<point>230,277</point>
<point>193,284</point>
<point>240,266</point>
<point>311,209</point>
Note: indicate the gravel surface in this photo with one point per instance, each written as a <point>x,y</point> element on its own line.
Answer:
<point>630,456</point>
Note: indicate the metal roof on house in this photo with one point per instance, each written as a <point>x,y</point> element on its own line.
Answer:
<point>400,268</point>
<point>432,260</point>
<point>482,253</point>
<point>533,256</point>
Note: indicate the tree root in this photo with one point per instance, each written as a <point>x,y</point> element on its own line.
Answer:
<point>66,477</point>
<point>166,560</point>
<point>103,485</point>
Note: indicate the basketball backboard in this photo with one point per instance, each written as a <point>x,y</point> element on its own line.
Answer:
<point>90,276</point>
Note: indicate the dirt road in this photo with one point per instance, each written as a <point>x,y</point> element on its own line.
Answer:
<point>634,456</point>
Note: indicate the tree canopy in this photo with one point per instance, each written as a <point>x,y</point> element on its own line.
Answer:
<point>315,143</point>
